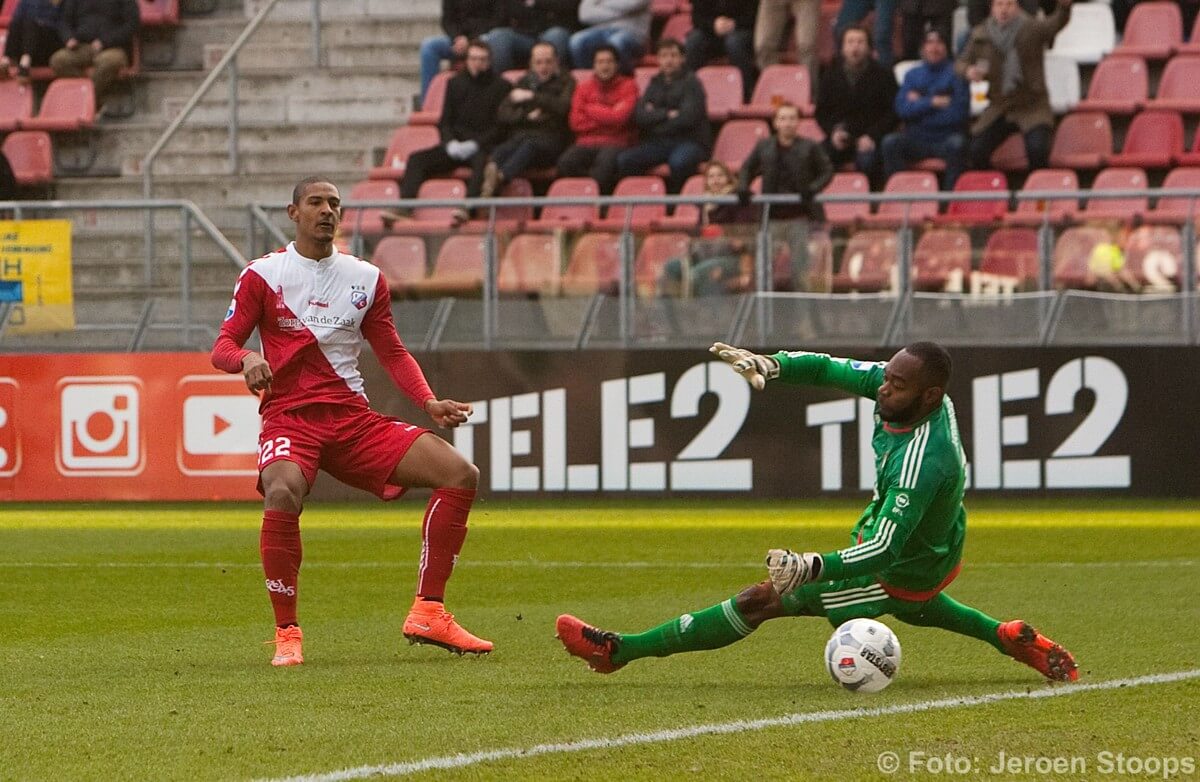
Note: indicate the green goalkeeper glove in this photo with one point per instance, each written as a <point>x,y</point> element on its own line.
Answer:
<point>789,570</point>
<point>756,369</point>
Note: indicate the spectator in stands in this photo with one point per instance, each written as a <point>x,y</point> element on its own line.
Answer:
<point>772,23</point>
<point>1006,51</point>
<point>853,12</point>
<point>468,128</point>
<point>33,36</point>
<point>96,34</point>
<point>720,261</point>
<point>917,16</point>
<point>525,22</point>
<point>623,24</point>
<point>534,115</point>
<point>672,119</point>
<point>602,120</point>
<point>788,163</point>
<point>934,104</point>
<point>854,103</point>
<point>724,28</point>
<point>462,20</point>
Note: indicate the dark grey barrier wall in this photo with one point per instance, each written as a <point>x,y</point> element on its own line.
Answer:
<point>1121,421</point>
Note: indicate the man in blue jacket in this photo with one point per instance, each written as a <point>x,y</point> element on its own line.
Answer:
<point>934,103</point>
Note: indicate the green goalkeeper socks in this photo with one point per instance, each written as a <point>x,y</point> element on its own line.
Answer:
<point>947,613</point>
<point>712,628</point>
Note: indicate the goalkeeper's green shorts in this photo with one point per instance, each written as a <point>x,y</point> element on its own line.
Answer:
<point>851,598</point>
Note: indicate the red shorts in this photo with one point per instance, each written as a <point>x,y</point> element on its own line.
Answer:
<point>356,445</point>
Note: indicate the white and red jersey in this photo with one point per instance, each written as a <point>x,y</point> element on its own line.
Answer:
<point>312,317</point>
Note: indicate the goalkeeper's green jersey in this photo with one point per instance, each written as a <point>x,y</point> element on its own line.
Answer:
<point>911,535</point>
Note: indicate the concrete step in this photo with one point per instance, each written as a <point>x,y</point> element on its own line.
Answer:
<point>135,138</point>
<point>344,9</point>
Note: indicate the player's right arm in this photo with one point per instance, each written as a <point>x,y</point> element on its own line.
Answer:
<point>801,367</point>
<point>245,311</point>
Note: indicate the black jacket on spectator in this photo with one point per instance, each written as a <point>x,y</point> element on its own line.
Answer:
<point>472,103</point>
<point>742,12</point>
<point>112,22</point>
<point>802,168</point>
<point>685,94</point>
<point>553,97</point>
<point>865,108</point>
<point>471,18</point>
<point>533,17</point>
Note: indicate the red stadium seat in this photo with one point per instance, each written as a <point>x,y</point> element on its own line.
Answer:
<point>401,259</point>
<point>1154,255</point>
<point>568,217</point>
<point>1120,85</point>
<point>1034,212</point>
<point>979,211</point>
<point>907,182</point>
<point>1179,87</point>
<point>810,129</point>
<point>1153,30</point>
<point>789,83</point>
<point>1072,253</point>
<point>1175,211</point>
<point>1010,262</point>
<point>457,271</point>
<point>16,104</point>
<point>868,262</point>
<point>736,140</point>
<point>435,99</point>
<point>406,140</point>
<point>594,266</point>
<point>31,156</point>
<point>68,105</point>
<point>6,12</point>
<point>654,253</point>
<point>677,27</point>
<point>1152,141</point>
<point>1010,155</point>
<point>642,77</point>
<point>1192,45</point>
<point>663,7</point>
<point>434,219</point>
<point>1117,179</point>
<point>1192,156</point>
<point>531,266</point>
<point>847,212</point>
<point>509,219</point>
<point>942,260</point>
<point>686,216</point>
<point>1082,140</point>
<point>722,90</point>
<point>159,13</point>
<point>368,220</point>
<point>643,216</point>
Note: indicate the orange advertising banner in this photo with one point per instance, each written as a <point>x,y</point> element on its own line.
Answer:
<point>125,427</point>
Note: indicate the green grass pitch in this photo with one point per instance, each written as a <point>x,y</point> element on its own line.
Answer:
<point>130,645</point>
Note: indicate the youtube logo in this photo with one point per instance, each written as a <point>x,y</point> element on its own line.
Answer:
<point>219,426</point>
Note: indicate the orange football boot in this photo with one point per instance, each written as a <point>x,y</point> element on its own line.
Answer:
<point>429,622</point>
<point>1027,645</point>
<point>287,642</point>
<point>593,645</point>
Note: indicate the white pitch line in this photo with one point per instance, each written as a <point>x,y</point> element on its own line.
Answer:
<point>723,728</point>
<point>565,565</point>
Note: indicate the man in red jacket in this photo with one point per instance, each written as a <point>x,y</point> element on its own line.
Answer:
<point>602,119</point>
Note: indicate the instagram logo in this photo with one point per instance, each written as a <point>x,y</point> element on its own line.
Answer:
<point>101,433</point>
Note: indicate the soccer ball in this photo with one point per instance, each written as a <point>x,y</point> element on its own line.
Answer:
<point>863,655</point>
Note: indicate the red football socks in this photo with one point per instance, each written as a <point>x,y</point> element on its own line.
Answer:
<point>279,543</point>
<point>442,536</point>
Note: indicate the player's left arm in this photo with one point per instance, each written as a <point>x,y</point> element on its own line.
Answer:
<point>379,329</point>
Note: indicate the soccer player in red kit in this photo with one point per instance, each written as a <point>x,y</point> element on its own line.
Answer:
<point>313,306</point>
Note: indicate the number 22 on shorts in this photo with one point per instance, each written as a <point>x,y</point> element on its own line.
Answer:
<point>274,448</point>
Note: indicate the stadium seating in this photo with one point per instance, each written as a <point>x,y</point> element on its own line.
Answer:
<point>1154,138</point>
<point>1117,179</point>
<point>1175,210</point>
<point>1192,45</point>
<point>1120,85</point>
<point>1010,260</point>
<point>368,221</point>
<point>1153,30</point>
<point>1089,35</point>
<point>509,219</point>
<point>457,271</point>
<point>868,262</point>
<point>406,140</point>
<point>1082,140</point>
<point>16,104</point>
<point>789,83</point>
<point>530,266</point>
<point>736,139</point>
<point>1072,253</point>
<point>31,156</point>
<point>810,129</point>
<point>642,76</point>
<point>641,217</point>
<point>69,105</point>
<point>908,182</point>
<point>1154,255</point>
<point>654,253</point>
<point>1192,156</point>
<point>847,212</point>
<point>434,219</point>
<point>677,26</point>
<point>594,266</point>
<point>722,90</point>
<point>978,211</point>
<point>1010,155</point>
<point>1034,212</point>
<point>401,259</point>
<point>1179,87</point>
<point>942,260</point>
<point>1062,82</point>
<point>686,216</point>
<point>6,12</point>
<point>435,99</point>
<point>159,13</point>
<point>568,217</point>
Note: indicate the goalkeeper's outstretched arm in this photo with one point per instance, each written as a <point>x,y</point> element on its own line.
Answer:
<point>862,378</point>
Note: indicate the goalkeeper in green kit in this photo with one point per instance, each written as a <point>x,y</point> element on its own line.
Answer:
<point>905,549</point>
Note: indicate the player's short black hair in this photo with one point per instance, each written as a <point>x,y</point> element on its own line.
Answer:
<point>606,47</point>
<point>935,362</point>
<point>302,185</point>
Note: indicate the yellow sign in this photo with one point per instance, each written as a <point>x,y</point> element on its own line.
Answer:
<point>35,276</point>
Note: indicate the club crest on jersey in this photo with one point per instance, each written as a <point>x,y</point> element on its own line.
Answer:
<point>232,307</point>
<point>358,299</point>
